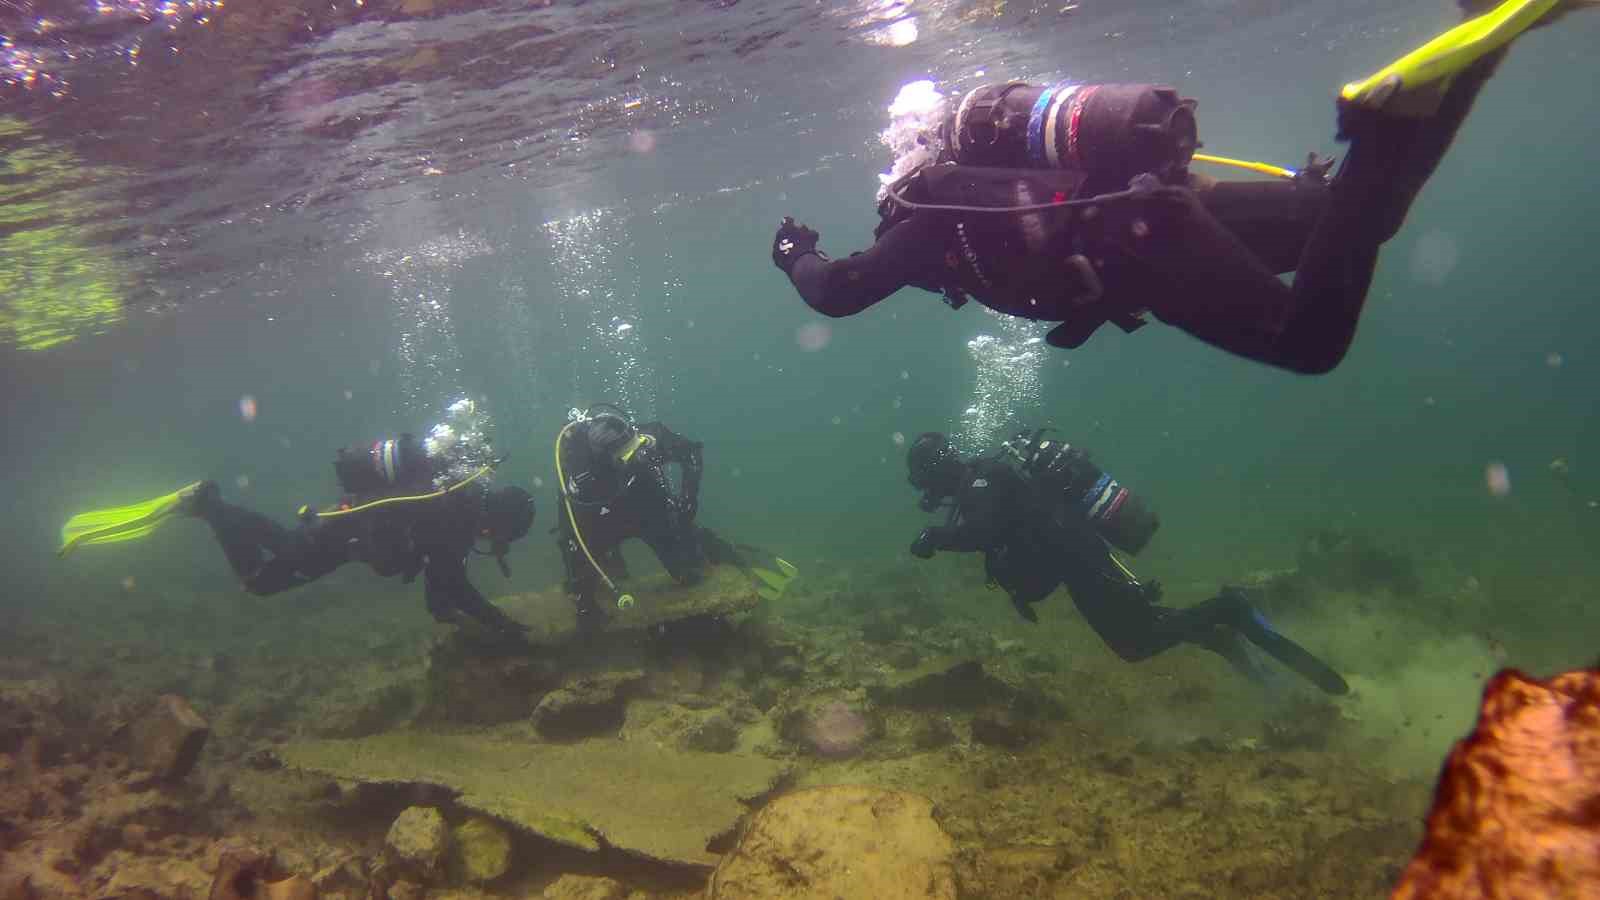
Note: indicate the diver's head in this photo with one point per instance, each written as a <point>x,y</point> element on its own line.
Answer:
<point>934,468</point>
<point>612,438</point>
<point>915,118</point>
<point>507,516</point>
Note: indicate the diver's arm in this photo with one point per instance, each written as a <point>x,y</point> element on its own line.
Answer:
<point>987,505</point>
<point>908,252</point>
<point>675,448</point>
<point>449,594</point>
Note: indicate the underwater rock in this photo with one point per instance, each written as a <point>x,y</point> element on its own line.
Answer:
<point>848,842</point>
<point>830,725</point>
<point>481,850</point>
<point>902,656</point>
<point>585,887</point>
<point>407,890</point>
<point>715,733</point>
<point>16,886</point>
<point>33,726</point>
<point>932,733</point>
<point>1017,871</point>
<point>585,707</point>
<point>1517,809</point>
<point>345,878</point>
<point>655,802</point>
<point>464,686</point>
<point>419,838</point>
<point>1002,728</point>
<point>551,620</point>
<point>167,739</point>
<point>683,675</point>
<point>245,873</point>
<point>945,682</point>
<point>884,626</point>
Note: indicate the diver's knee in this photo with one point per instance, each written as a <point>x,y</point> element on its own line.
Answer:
<point>258,588</point>
<point>1314,361</point>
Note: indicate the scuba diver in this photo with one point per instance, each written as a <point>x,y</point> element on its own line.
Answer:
<point>614,484</point>
<point>1044,515</point>
<point>408,508</point>
<point>1075,204</point>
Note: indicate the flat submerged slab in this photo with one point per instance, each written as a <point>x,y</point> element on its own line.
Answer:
<point>551,619</point>
<point>665,804</point>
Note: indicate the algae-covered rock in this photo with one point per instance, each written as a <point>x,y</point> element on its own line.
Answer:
<point>832,725</point>
<point>946,682</point>
<point>584,887</point>
<point>466,686</point>
<point>481,849</point>
<point>1002,728</point>
<point>347,877</point>
<point>844,842</point>
<point>585,707</point>
<point>551,619</point>
<point>716,733</point>
<point>419,839</point>
<point>660,803</point>
<point>168,738</point>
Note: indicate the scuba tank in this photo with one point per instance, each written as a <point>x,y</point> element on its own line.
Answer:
<point>385,466</point>
<point>1109,132</point>
<point>1034,152</point>
<point>1086,492</point>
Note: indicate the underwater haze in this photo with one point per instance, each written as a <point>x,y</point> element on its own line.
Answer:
<point>236,238</point>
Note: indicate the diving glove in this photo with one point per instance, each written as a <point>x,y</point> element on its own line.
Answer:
<point>922,547</point>
<point>793,241</point>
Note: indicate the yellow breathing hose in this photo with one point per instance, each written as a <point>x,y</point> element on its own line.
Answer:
<point>334,513</point>
<point>623,600</point>
<point>1125,570</point>
<point>1263,168</point>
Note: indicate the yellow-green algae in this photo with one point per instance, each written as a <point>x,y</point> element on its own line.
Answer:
<point>662,803</point>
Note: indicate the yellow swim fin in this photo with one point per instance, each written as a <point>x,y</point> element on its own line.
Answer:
<point>122,523</point>
<point>1413,84</point>
<point>772,584</point>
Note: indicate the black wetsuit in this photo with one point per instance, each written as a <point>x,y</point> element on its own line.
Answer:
<point>1030,549</point>
<point>430,537</point>
<point>615,503</point>
<point>1204,256</point>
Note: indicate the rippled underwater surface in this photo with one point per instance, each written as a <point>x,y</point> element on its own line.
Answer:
<point>349,213</point>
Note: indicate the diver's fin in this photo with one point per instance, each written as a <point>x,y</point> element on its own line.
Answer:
<point>1226,643</point>
<point>1413,84</point>
<point>772,574</point>
<point>122,523</point>
<point>1263,635</point>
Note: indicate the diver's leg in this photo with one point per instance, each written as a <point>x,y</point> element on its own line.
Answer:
<point>1121,612</point>
<point>248,537</point>
<point>583,582</point>
<point>719,552</point>
<point>1128,617</point>
<point>679,552</point>
<point>1222,292</point>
